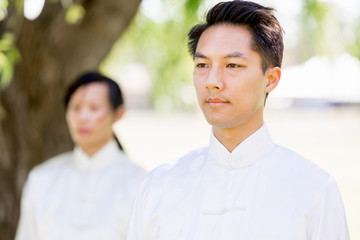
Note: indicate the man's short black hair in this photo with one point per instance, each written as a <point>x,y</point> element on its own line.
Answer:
<point>265,29</point>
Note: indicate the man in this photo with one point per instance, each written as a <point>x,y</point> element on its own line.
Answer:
<point>243,185</point>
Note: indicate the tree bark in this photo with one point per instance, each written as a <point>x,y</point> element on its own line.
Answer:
<point>53,52</point>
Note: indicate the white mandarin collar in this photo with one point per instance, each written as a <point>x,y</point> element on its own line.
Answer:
<point>245,154</point>
<point>102,158</point>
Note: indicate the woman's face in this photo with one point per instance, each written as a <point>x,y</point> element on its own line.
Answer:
<point>90,117</point>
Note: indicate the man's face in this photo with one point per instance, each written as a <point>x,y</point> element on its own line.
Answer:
<point>229,81</point>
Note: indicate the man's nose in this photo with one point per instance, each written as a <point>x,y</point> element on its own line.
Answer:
<point>214,79</point>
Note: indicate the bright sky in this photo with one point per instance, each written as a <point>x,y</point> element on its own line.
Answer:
<point>33,8</point>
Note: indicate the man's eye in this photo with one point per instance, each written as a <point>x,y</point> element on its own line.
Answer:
<point>233,65</point>
<point>201,65</point>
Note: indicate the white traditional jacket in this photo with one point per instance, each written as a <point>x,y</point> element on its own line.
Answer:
<point>259,191</point>
<point>74,197</point>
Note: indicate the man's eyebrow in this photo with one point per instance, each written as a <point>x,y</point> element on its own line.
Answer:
<point>235,55</point>
<point>230,55</point>
<point>200,55</point>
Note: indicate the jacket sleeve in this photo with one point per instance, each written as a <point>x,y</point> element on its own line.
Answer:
<point>328,220</point>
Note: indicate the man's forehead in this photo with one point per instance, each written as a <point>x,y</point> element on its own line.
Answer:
<point>229,39</point>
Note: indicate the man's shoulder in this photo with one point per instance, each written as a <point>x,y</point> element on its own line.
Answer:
<point>184,166</point>
<point>300,168</point>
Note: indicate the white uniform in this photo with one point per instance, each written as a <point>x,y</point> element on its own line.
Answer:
<point>72,196</point>
<point>259,191</point>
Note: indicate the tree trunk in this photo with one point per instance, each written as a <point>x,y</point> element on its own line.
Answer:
<point>53,52</point>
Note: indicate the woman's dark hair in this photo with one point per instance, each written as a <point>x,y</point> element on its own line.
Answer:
<point>115,94</point>
<point>265,29</point>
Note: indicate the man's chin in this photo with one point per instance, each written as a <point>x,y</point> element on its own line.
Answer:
<point>218,122</point>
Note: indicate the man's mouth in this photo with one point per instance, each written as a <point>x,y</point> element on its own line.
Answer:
<point>216,100</point>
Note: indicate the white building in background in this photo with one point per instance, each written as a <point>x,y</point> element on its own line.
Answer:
<point>320,79</point>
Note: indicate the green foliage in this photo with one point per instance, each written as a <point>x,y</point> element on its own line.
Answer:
<point>353,46</point>
<point>9,55</point>
<point>74,14</point>
<point>162,47</point>
<point>324,32</point>
<point>3,9</point>
<point>315,16</point>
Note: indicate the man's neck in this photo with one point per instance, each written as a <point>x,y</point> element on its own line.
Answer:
<point>232,137</point>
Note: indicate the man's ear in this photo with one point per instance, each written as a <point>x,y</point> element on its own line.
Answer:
<point>273,78</point>
<point>119,112</point>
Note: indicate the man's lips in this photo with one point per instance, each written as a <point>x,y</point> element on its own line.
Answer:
<point>216,101</point>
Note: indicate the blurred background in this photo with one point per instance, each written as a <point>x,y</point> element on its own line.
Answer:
<point>142,44</point>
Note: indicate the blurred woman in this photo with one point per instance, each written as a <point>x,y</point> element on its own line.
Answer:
<point>86,193</point>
